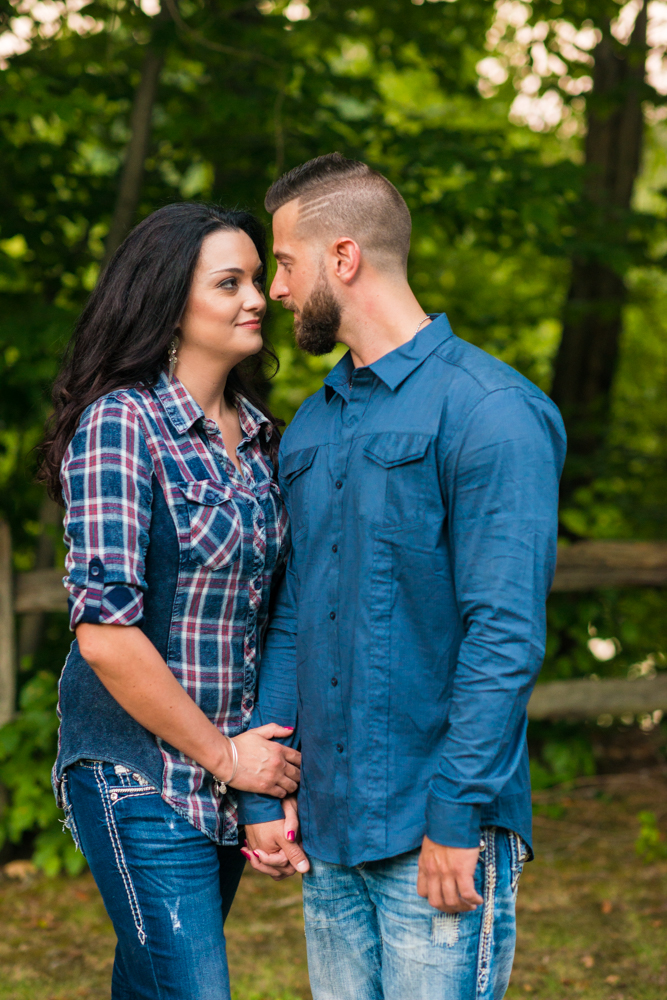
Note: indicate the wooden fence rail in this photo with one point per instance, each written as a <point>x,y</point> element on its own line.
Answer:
<point>581,567</point>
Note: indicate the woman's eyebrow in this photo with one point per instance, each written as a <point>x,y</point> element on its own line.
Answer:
<point>233,270</point>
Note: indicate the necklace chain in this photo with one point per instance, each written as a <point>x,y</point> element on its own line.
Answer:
<point>419,326</point>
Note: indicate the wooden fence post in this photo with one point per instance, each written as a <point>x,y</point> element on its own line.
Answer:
<point>7,654</point>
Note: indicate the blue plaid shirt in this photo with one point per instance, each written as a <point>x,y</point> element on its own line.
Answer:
<point>231,533</point>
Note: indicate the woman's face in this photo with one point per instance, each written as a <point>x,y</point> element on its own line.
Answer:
<point>223,315</point>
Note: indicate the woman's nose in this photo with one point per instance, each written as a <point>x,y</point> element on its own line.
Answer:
<point>255,300</point>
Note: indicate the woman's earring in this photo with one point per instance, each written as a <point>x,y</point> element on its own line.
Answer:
<point>173,357</point>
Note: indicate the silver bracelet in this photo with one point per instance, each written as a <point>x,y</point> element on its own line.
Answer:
<point>220,786</point>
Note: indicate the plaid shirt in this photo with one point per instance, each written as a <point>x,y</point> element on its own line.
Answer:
<point>232,534</point>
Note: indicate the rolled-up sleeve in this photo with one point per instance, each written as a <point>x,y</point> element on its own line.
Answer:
<point>501,473</point>
<point>106,478</point>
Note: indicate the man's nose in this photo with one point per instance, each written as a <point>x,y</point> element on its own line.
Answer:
<point>278,290</point>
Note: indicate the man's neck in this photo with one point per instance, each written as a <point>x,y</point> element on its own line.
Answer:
<point>379,319</point>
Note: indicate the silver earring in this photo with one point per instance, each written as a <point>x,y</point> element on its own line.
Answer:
<point>173,357</point>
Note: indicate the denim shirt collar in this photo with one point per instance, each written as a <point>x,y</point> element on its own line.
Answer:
<point>184,412</point>
<point>393,368</point>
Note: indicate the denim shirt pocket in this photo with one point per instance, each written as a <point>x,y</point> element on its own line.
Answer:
<point>296,486</point>
<point>216,528</point>
<point>402,490</point>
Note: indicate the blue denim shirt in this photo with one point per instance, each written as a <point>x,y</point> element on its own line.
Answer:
<point>410,628</point>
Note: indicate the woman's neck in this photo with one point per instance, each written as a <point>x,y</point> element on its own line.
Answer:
<point>206,384</point>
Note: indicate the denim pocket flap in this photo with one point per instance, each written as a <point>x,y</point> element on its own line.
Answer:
<point>294,464</point>
<point>391,448</point>
<point>206,492</point>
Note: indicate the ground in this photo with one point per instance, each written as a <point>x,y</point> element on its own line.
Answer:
<point>592,914</point>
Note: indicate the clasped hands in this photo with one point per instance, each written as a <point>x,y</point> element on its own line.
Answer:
<point>446,874</point>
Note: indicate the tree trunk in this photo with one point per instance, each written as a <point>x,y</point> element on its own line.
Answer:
<point>588,354</point>
<point>131,179</point>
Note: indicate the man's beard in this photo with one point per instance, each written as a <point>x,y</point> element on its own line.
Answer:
<point>316,328</point>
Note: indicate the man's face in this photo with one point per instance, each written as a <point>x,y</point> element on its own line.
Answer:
<point>301,284</point>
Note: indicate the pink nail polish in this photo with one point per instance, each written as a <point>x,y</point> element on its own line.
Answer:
<point>291,836</point>
<point>245,854</point>
<point>256,854</point>
<point>290,727</point>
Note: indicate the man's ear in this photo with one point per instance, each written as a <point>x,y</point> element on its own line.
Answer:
<point>346,254</point>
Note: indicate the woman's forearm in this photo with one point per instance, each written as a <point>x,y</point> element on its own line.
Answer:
<point>136,676</point>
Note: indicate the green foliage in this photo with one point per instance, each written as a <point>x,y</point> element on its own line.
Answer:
<point>562,757</point>
<point>27,748</point>
<point>650,843</point>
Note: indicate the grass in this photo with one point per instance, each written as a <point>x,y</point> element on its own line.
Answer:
<point>592,915</point>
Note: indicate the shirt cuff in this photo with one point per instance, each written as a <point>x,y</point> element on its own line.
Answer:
<point>254,808</point>
<point>119,605</point>
<point>453,824</point>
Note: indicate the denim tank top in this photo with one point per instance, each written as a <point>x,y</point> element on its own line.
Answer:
<point>92,724</point>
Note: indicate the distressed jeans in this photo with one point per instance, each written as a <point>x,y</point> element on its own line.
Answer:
<point>371,937</point>
<point>167,888</point>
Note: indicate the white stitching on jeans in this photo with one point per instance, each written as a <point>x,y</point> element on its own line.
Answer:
<point>518,854</point>
<point>486,936</point>
<point>120,857</point>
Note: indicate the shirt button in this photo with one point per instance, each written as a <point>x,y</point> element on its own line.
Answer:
<point>339,485</point>
<point>332,615</point>
<point>334,548</point>
<point>334,682</point>
<point>95,571</point>
<point>340,747</point>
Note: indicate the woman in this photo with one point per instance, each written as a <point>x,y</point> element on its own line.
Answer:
<point>163,455</point>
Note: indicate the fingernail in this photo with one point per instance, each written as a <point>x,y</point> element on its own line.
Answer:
<point>256,854</point>
<point>289,727</point>
<point>246,854</point>
<point>302,866</point>
<point>291,836</point>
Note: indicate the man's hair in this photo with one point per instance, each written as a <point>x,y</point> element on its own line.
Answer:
<point>341,197</point>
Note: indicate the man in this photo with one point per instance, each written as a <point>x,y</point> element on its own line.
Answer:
<point>422,485</point>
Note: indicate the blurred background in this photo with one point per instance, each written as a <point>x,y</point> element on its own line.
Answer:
<point>530,142</point>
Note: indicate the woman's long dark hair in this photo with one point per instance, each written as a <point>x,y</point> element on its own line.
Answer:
<point>122,336</point>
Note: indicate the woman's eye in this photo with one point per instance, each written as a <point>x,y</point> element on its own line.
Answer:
<point>228,283</point>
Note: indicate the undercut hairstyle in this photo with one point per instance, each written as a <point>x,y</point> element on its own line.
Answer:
<point>341,197</point>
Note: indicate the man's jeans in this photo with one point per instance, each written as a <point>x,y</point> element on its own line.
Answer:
<point>165,885</point>
<point>371,937</point>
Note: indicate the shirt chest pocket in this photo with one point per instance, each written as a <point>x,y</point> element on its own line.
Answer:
<point>296,477</point>
<point>216,528</point>
<point>401,482</point>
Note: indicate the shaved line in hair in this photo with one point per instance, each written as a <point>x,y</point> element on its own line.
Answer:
<point>337,198</point>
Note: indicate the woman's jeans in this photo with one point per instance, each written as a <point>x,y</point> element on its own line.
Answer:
<point>371,937</point>
<point>167,888</point>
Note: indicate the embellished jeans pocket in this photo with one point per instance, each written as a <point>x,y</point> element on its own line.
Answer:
<point>128,784</point>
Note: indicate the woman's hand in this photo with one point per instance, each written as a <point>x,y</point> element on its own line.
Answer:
<point>272,848</point>
<point>266,767</point>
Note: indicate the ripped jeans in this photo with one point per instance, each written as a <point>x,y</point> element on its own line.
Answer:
<point>371,937</point>
<point>166,887</point>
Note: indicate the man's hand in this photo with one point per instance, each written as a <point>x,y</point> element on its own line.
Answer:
<point>272,848</point>
<point>447,877</point>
